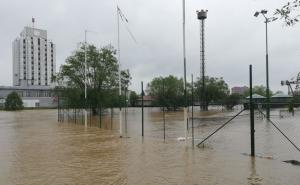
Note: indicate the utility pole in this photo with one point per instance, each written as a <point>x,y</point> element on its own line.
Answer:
<point>119,71</point>
<point>252,130</point>
<point>185,116</point>
<point>125,21</point>
<point>85,79</point>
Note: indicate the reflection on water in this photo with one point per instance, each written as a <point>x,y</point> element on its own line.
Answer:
<point>254,178</point>
<point>36,149</point>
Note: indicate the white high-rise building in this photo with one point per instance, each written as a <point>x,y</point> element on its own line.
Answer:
<point>33,59</point>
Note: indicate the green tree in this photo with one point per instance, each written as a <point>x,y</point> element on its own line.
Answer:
<point>133,97</point>
<point>232,100</point>
<point>102,77</point>
<point>216,90</point>
<point>167,91</point>
<point>288,12</point>
<point>258,89</point>
<point>13,102</point>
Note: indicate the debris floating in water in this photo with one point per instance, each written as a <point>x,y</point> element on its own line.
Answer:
<point>260,156</point>
<point>294,162</point>
<point>181,139</point>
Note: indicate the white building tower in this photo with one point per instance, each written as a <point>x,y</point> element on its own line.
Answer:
<point>33,59</point>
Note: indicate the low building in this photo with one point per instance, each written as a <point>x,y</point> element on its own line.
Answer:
<point>280,100</point>
<point>276,101</point>
<point>148,101</point>
<point>34,96</point>
<point>258,100</point>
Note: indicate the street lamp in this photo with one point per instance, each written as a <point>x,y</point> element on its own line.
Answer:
<point>267,20</point>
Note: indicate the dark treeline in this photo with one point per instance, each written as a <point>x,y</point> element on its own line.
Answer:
<point>169,92</point>
<point>103,86</point>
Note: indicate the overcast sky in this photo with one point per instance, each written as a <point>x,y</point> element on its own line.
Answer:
<point>234,37</point>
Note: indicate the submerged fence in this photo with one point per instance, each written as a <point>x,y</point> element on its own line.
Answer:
<point>96,113</point>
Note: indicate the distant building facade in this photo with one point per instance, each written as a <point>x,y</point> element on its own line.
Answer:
<point>239,90</point>
<point>34,59</point>
<point>34,65</point>
<point>43,96</point>
<point>148,101</point>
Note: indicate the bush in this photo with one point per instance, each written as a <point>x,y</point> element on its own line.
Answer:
<point>13,102</point>
<point>231,101</point>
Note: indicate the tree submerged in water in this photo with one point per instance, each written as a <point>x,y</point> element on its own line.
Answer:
<point>215,91</point>
<point>168,92</point>
<point>102,78</point>
<point>13,102</point>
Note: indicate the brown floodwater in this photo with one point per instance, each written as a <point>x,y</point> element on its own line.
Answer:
<point>35,149</point>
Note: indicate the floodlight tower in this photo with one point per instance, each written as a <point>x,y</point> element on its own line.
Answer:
<point>267,20</point>
<point>202,15</point>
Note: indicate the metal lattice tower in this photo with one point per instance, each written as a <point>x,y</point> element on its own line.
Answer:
<point>202,15</point>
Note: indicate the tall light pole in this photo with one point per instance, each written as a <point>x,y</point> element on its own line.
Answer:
<point>125,21</point>
<point>185,118</point>
<point>119,71</point>
<point>85,78</point>
<point>267,20</point>
<point>202,15</point>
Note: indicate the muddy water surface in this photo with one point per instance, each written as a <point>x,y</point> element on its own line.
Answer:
<point>35,149</point>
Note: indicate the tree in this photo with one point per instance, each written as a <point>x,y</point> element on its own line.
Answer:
<point>287,12</point>
<point>259,89</point>
<point>133,97</point>
<point>102,77</point>
<point>232,100</point>
<point>13,102</point>
<point>167,91</point>
<point>216,89</point>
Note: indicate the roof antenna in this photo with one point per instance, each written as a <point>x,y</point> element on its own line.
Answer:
<point>32,20</point>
